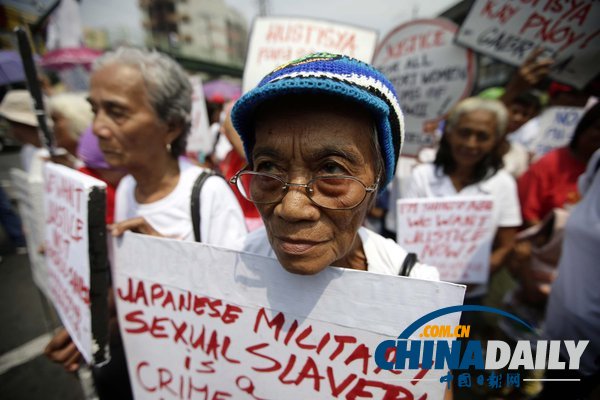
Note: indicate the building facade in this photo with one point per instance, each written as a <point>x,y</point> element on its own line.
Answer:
<point>207,30</point>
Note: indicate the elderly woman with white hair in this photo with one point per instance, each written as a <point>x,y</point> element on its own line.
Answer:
<point>469,163</point>
<point>141,103</point>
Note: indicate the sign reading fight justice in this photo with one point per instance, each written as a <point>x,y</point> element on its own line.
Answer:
<point>453,234</point>
<point>277,40</point>
<point>430,74</point>
<point>75,250</point>
<point>200,322</point>
<point>510,30</point>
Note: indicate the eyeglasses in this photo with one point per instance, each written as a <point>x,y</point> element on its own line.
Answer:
<point>334,192</point>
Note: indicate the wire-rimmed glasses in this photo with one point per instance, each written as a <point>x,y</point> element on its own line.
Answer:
<point>334,192</point>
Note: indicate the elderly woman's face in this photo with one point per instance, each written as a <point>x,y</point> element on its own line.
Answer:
<point>130,134</point>
<point>299,140</point>
<point>473,137</point>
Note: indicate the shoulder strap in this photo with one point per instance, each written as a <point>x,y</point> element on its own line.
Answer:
<point>195,201</point>
<point>409,262</point>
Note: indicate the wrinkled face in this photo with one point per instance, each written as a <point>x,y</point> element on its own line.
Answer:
<point>473,138</point>
<point>130,134</point>
<point>299,140</point>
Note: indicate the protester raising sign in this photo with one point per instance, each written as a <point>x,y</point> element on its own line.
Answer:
<point>203,322</point>
<point>76,256</point>
<point>430,73</point>
<point>454,234</point>
<point>510,30</point>
<point>277,40</point>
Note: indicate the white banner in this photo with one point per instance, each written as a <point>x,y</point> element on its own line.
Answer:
<point>200,139</point>
<point>454,234</point>
<point>278,40</point>
<point>430,73</point>
<point>510,30</point>
<point>203,322</point>
<point>66,197</point>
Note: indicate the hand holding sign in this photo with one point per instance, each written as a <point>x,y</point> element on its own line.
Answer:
<point>62,350</point>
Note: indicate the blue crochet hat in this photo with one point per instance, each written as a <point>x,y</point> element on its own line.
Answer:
<point>335,75</point>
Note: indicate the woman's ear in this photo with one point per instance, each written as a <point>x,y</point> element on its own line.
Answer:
<point>174,130</point>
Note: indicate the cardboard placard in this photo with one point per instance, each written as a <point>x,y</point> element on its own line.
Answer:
<point>203,322</point>
<point>556,128</point>
<point>510,30</point>
<point>76,256</point>
<point>277,40</point>
<point>430,73</point>
<point>454,234</point>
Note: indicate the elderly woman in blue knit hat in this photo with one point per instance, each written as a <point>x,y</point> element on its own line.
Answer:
<point>322,136</point>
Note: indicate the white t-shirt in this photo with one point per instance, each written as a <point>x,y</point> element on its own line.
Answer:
<point>573,311</point>
<point>384,256</point>
<point>221,219</point>
<point>502,186</point>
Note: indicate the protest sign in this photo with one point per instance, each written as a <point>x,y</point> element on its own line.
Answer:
<point>201,139</point>
<point>430,74</point>
<point>510,30</point>
<point>29,194</point>
<point>200,322</point>
<point>277,40</point>
<point>556,127</point>
<point>454,234</point>
<point>76,256</point>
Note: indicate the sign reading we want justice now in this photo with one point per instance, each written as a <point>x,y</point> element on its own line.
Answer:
<point>200,322</point>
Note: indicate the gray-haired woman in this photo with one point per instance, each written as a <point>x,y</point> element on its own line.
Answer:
<point>141,103</point>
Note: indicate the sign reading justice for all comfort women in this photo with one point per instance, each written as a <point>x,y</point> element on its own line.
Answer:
<point>568,31</point>
<point>430,74</point>
<point>200,322</point>
<point>76,256</point>
<point>454,234</point>
<point>278,40</point>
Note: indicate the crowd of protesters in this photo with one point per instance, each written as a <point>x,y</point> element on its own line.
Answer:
<point>307,168</point>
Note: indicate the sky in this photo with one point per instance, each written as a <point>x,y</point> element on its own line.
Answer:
<point>380,15</point>
<point>123,17</point>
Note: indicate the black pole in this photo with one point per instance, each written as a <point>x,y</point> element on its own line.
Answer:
<point>33,84</point>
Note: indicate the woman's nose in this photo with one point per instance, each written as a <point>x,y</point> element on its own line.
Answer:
<point>100,126</point>
<point>296,206</point>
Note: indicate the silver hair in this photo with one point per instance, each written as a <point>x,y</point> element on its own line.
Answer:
<point>168,86</point>
<point>477,103</point>
<point>75,108</point>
